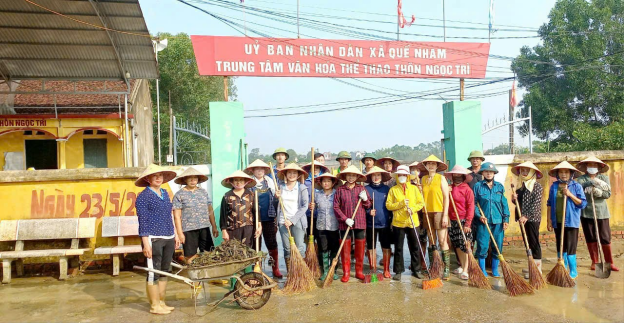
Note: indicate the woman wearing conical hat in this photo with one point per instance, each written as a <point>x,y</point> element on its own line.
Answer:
<point>380,216</point>
<point>436,195</point>
<point>595,182</point>
<point>326,223</point>
<point>292,213</point>
<point>345,202</point>
<point>266,207</point>
<point>157,231</point>
<point>237,209</point>
<point>566,187</point>
<point>390,165</point>
<point>192,210</point>
<point>529,198</point>
<point>464,204</point>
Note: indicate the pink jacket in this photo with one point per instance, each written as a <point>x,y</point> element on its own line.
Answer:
<point>464,201</point>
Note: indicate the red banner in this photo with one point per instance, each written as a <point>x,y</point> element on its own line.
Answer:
<point>245,56</point>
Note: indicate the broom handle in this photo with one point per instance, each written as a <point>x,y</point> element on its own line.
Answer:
<point>522,229</point>
<point>596,225</point>
<point>348,229</point>
<point>459,223</point>
<point>375,239</point>
<point>257,216</point>
<point>487,225</point>
<point>422,253</point>
<point>312,196</point>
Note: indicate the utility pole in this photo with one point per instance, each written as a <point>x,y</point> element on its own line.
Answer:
<point>511,126</point>
<point>225,88</point>
<point>444,20</point>
<point>171,120</point>
<point>530,130</point>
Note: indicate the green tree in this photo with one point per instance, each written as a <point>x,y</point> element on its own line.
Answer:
<point>574,77</point>
<point>190,93</point>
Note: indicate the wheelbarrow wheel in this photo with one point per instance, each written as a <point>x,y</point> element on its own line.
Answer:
<point>252,300</point>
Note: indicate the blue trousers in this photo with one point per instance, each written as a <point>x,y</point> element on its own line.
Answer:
<point>484,240</point>
<point>298,233</point>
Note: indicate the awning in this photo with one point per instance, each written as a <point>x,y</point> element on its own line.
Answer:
<point>36,43</point>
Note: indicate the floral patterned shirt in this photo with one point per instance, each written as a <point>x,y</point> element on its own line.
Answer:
<point>194,206</point>
<point>236,212</point>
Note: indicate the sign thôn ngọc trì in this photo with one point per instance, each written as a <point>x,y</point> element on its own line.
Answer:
<point>286,57</point>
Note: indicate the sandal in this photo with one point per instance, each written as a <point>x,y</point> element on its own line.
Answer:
<point>458,271</point>
<point>464,276</point>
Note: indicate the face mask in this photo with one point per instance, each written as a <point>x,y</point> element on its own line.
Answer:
<point>592,170</point>
<point>414,172</point>
<point>489,180</point>
<point>458,180</point>
<point>402,179</point>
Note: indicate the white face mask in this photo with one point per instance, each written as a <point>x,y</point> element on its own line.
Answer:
<point>592,170</point>
<point>402,179</point>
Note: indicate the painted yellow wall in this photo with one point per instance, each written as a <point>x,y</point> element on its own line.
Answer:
<point>12,142</point>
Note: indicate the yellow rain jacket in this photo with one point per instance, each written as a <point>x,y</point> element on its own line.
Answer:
<point>396,204</point>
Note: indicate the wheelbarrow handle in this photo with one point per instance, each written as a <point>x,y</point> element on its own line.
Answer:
<point>178,277</point>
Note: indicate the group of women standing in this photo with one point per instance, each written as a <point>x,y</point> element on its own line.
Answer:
<point>388,203</point>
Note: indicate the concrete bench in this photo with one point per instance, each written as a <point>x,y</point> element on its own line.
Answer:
<point>119,227</point>
<point>43,229</point>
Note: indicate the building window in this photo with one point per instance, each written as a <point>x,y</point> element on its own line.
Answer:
<point>41,154</point>
<point>95,153</point>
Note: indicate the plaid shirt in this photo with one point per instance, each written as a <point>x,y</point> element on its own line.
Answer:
<point>345,200</point>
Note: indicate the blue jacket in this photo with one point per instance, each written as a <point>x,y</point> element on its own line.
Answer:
<point>492,201</point>
<point>309,186</point>
<point>573,211</point>
<point>383,218</point>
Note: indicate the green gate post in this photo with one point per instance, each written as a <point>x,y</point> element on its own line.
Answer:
<point>462,131</point>
<point>227,131</point>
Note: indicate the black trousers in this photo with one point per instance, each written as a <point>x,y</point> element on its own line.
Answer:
<point>412,244</point>
<point>269,234</point>
<point>532,232</point>
<point>162,255</point>
<point>357,233</point>
<point>589,230</point>
<point>570,240</point>
<point>243,234</point>
<point>194,239</point>
<point>384,235</point>
<point>328,241</point>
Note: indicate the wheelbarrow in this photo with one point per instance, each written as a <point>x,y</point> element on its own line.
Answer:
<point>251,291</point>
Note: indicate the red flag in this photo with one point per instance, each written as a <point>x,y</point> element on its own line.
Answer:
<point>513,101</point>
<point>402,21</point>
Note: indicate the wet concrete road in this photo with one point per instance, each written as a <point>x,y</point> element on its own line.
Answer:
<point>102,298</point>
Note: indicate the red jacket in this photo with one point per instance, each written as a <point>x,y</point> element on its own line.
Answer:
<point>464,201</point>
<point>345,201</point>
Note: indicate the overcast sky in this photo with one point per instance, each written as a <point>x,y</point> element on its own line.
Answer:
<point>407,123</point>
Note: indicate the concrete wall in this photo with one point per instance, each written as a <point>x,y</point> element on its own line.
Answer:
<point>141,106</point>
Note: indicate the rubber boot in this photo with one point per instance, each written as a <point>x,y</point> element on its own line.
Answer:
<point>386,263</point>
<point>482,266</point>
<point>446,256</point>
<point>325,264</point>
<point>565,261</point>
<point>538,262</point>
<point>593,254</point>
<point>162,289</point>
<point>606,249</point>
<point>572,264</point>
<point>345,258</point>
<point>495,263</point>
<point>275,265</point>
<point>153,295</point>
<point>360,248</point>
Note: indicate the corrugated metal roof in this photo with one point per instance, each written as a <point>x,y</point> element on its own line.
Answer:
<point>35,43</point>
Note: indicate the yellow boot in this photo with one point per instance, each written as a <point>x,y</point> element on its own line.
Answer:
<point>162,289</point>
<point>153,295</point>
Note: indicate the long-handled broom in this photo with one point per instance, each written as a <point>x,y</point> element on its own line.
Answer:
<point>257,266</point>
<point>476,278</point>
<point>559,276</point>
<point>311,258</point>
<point>299,277</point>
<point>535,277</point>
<point>516,285</point>
<point>432,282</point>
<point>330,274</point>
<point>437,266</point>
<point>373,276</point>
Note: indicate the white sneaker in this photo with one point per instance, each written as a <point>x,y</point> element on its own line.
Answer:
<point>458,271</point>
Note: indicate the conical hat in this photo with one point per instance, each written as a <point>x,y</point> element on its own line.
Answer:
<point>379,163</point>
<point>385,176</point>
<point>154,169</point>
<point>461,170</point>
<point>181,180</point>
<point>351,170</point>
<point>329,175</point>
<point>582,166</point>
<point>516,169</point>
<point>292,166</point>
<point>307,167</point>
<point>227,182</point>
<point>260,164</point>
<point>414,164</point>
<point>564,165</point>
<point>441,166</point>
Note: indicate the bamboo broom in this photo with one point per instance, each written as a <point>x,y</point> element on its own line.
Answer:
<point>535,277</point>
<point>257,266</point>
<point>559,276</point>
<point>476,278</point>
<point>330,274</point>
<point>437,266</point>
<point>311,258</point>
<point>516,285</point>
<point>299,277</point>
